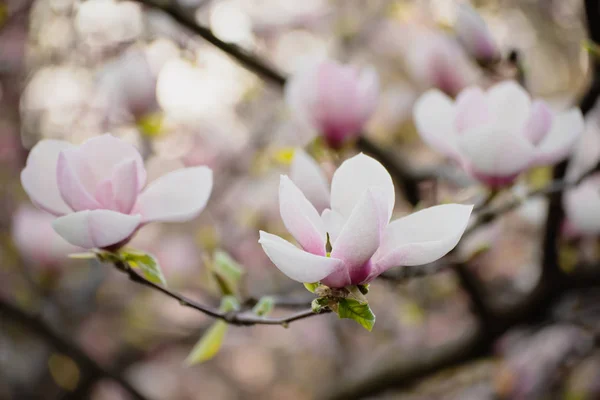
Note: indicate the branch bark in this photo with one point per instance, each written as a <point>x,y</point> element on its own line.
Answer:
<point>62,344</point>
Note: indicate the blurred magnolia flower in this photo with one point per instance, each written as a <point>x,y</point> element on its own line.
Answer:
<point>333,99</point>
<point>353,242</point>
<point>35,239</point>
<point>96,190</point>
<point>473,34</point>
<point>127,86</point>
<point>498,134</point>
<point>107,22</point>
<point>582,203</point>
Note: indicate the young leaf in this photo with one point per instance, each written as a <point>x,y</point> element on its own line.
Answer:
<point>147,265</point>
<point>227,272</point>
<point>311,286</point>
<point>209,344</point>
<point>229,303</point>
<point>360,312</point>
<point>264,306</point>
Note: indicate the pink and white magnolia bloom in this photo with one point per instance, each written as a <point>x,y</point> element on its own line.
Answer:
<point>97,190</point>
<point>356,225</point>
<point>473,34</point>
<point>333,99</point>
<point>498,134</point>
<point>35,239</point>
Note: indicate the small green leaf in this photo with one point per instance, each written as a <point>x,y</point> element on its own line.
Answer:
<point>83,256</point>
<point>360,312</point>
<point>227,272</point>
<point>229,303</point>
<point>311,287</point>
<point>147,265</point>
<point>355,293</point>
<point>264,306</point>
<point>318,304</point>
<point>209,344</point>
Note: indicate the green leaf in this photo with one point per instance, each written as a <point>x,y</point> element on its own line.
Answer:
<point>83,256</point>
<point>146,264</point>
<point>227,272</point>
<point>360,312</point>
<point>355,293</point>
<point>229,303</point>
<point>264,306</point>
<point>311,287</point>
<point>209,344</point>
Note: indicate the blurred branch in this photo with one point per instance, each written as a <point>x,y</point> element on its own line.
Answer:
<point>403,175</point>
<point>40,328</point>
<point>233,318</point>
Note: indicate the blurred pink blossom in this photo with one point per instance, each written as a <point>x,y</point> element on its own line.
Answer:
<point>333,99</point>
<point>353,242</point>
<point>35,239</point>
<point>498,134</point>
<point>96,190</point>
<point>474,35</point>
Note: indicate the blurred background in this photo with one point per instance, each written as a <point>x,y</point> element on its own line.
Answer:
<point>72,69</point>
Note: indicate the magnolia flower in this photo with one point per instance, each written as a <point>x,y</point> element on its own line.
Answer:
<point>474,35</point>
<point>498,134</point>
<point>35,239</point>
<point>335,100</point>
<point>582,203</point>
<point>353,241</point>
<point>97,190</point>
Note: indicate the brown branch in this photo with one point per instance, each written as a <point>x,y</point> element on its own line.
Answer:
<point>402,174</point>
<point>233,318</point>
<point>40,328</point>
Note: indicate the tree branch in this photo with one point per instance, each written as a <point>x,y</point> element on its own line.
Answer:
<point>402,174</point>
<point>40,328</point>
<point>233,318</point>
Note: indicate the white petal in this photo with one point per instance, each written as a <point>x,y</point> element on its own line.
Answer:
<point>71,187</point>
<point>496,153</point>
<point>309,178</point>
<point>558,143</point>
<point>300,217</point>
<point>105,152</point>
<point>471,109</point>
<point>361,234</point>
<point>434,118</point>
<point>334,222</point>
<point>582,206</point>
<point>125,185</point>
<point>539,122</point>
<point>177,196</point>
<point>39,176</point>
<point>96,228</point>
<point>422,237</point>
<point>295,263</point>
<point>510,104</point>
<point>352,179</point>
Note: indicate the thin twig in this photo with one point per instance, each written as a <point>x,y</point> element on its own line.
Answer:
<point>233,318</point>
<point>39,327</point>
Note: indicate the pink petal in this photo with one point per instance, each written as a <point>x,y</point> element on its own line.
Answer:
<point>297,264</point>
<point>70,184</point>
<point>309,178</point>
<point>539,122</point>
<point>474,34</point>
<point>300,218</point>
<point>103,153</point>
<point>368,93</point>
<point>422,237</point>
<point>360,236</point>
<point>96,228</point>
<point>434,118</point>
<point>39,176</point>
<point>558,143</point>
<point>301,95</point>
<point>510,104</point>
<point>471,109</point>
<point>497,153</point>
<point>334,222</point>
<point>177,196</point>
<point>352,179</point>
<point>125,185</point>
